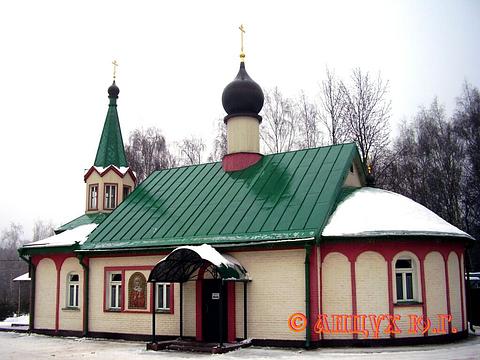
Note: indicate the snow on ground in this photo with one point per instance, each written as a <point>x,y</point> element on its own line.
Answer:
<point>15,321</point>
<point>376,212</point>
<point>24,346</point>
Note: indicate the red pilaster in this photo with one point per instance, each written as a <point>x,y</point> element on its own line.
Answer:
<point>447,287</point>
<point>424,291</point>
<point>198,304</point>
<point>462,283</point>
<point>354,291</point>
<point>390,290</point>
<point>231,335</point>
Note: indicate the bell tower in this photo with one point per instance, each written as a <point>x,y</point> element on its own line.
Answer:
<point>109,180</point>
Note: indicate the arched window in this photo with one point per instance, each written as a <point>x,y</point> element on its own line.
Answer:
<point>73,281</point>
<point>405,279</point>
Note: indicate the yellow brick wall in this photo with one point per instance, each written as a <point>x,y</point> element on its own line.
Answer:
<point>371,286</point>
<point>45,294</point>
<point>435,288</point>
<point>189,308</point>
<point>70,319</point>
<point>404,322</point>
<point>276,291</point>
<point>336,288</point>
<point>455,296</point>
<point>130,323</point>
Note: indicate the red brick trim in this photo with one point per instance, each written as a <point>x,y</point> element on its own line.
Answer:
<point>112,168</point>
<point>239,161</point>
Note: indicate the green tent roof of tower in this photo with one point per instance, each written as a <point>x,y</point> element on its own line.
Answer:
<point>110,149</point>
<point>284,196</point>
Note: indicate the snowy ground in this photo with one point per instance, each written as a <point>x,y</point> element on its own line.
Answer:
<point>14,321</point>
<point>23,346</point>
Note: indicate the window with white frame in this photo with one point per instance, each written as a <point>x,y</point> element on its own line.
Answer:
<point>163,296</point>
<point>110,196</point>
<point>72,289</point>
<point>405,279</point>
<point>115,290</point>
<point>93,197</point>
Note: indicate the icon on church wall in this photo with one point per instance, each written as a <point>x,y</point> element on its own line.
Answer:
<point>137,291</point>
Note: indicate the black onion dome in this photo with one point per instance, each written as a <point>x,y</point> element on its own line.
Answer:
<point>113,90</point>
<point>242,96</point>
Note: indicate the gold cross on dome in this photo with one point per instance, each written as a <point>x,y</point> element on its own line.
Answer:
<point>115,64</point>
<point>242,31</point>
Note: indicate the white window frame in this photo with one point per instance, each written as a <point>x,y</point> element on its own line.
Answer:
<point>116,286</point>
<point>110,199</point>
<point>73,301</point>
<point>403,272</point>
<point>93,200</point>
<point>165,298</point>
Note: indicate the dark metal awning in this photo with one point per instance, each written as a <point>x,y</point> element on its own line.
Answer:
<point>181,264</point>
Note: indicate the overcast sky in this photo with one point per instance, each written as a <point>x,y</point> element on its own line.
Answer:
<point>175,59</point>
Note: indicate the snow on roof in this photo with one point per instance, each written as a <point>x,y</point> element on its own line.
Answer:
<point>24,277</point>
<point>208,253</point>
<point>376,212</point>
<point>100,169</point>
<point>66,238</point>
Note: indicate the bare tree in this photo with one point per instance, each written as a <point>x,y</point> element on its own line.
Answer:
<point>11,266</point>
<point>12,237</point>
<point>367,113</point>
<point>425,149</point>
<point>42,229</point>
<point>219,143</point>
<point>191,150</point>
<point>147,152</point>
<point>309,135</point>
<point>466,121</point>
<point>278,126</point>
<point>332,100</point>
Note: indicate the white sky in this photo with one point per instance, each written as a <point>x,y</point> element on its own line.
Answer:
<point>175,59</point>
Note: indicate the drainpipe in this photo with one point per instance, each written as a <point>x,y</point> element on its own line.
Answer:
<point>31,272</point>
<point>85,294</point>
<point>308,251</point>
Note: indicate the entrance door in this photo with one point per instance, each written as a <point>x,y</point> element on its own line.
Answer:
<point>211,310</point>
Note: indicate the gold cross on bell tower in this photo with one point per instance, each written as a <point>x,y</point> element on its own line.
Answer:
<point>242,31</point>
<point>115,64</point>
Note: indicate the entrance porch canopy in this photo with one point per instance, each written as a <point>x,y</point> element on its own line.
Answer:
<point>181,264</point>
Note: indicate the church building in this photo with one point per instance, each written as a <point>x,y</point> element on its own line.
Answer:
<point>287,249</point>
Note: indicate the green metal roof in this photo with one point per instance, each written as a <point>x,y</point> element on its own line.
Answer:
<point>94,218</point>
<point>110,149</point>
<point>284,196</point>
